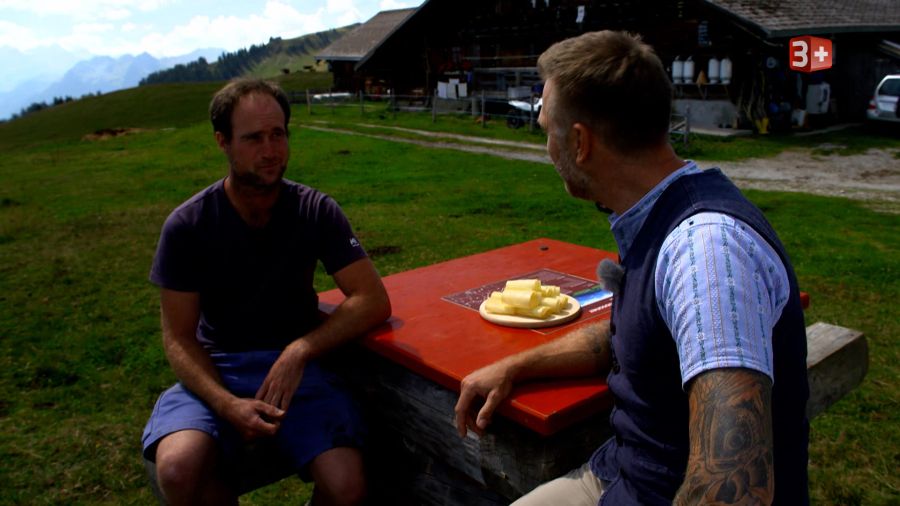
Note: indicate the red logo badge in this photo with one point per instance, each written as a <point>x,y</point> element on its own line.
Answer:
<point>809,54</point>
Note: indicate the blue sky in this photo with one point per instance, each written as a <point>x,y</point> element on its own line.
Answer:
<point>172,27</point>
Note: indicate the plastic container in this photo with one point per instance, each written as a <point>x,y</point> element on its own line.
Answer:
<point>725,70</point>
<point>712,71</point>
<point>688,75</point>
<point>677,71</point>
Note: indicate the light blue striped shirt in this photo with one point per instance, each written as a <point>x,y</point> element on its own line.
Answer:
<point>720,287</point>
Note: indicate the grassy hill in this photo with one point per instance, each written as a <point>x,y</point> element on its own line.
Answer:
<point>154,106</point>
<point>296,55</point>
<point>264,60</point>
<point>163,106</point>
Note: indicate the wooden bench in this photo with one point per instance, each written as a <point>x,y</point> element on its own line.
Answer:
<point>416,456</point>
<point>837,360</point>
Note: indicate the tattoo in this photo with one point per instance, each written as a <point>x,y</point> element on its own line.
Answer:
<point>730,459</point>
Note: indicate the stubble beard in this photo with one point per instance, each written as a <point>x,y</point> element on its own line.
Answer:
<point>577,183</point>
<point>252,181</point>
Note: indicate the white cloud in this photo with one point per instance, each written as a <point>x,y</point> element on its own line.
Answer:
<point>344,12</point>
<point>89,36</point>
<point>77,10</point>
<point>340,6</point>
<point>17,36</point>
<point>84,9</point>
<point>387,5</point>
<point>115,27</point>
<point>233,32</point>
<point>152,5</point>
<point>290,20</point>
<point>115,14</point>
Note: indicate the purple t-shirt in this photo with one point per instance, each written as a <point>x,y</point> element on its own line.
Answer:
<point>255,284</point>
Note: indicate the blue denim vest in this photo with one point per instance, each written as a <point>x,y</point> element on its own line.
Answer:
<point>645,461</point>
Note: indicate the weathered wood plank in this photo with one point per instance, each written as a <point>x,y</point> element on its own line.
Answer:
<point>837,361</point>
<point>509,459</point>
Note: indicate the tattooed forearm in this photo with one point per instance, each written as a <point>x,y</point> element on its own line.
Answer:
<point>730,459</point>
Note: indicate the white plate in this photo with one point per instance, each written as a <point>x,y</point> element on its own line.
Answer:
<point>568,314</point>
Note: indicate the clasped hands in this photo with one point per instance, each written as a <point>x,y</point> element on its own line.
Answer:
<point>261,416</point>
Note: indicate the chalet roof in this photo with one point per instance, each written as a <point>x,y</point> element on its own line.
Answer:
<point>788,18</point>
<point>360,43</point>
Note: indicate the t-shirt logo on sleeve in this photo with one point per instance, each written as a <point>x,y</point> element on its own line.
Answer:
<point>353,242</point>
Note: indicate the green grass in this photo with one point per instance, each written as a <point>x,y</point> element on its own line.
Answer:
<point>80,356</point>
<point>849,141</point>
<point>350,115</point>
<point>274,65</point>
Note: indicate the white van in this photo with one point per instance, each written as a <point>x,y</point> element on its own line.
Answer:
<point>885,105</point>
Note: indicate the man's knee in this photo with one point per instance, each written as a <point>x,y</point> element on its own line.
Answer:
<point>185,461</point>
<point>579,487</point>
<point>339,477</point>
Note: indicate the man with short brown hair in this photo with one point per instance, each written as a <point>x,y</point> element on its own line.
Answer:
<point>240,320</point>
<point>706,313</point>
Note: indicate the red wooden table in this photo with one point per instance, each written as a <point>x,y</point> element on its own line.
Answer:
<point>444,341</point>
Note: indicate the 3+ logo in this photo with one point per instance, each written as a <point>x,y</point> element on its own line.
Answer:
<point>809,54</point>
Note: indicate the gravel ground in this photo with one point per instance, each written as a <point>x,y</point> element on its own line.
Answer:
<point>871,176</point>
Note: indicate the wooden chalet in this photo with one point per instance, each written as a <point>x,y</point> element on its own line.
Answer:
<point>864,34</point>
<point>492,47</point>
<point>350,58</point>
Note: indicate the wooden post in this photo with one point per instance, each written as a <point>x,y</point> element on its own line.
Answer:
<point>531,114</point>
<point>392,101</point>
<point>434,108</point>
<point>483,113</point>
<point>362,106</point>
<point>687,124</point>
<point>308,103</point>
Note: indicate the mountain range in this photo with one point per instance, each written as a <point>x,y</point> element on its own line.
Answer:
<point>64,74</point>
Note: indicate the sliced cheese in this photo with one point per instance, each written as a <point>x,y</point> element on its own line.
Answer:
<point>498,307</point>
<point>524,284</point>
<point>525,299</point>
<point>550,291</point>
<point>541,312</point>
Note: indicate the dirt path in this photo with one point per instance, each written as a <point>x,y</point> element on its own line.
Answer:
<point>475,144</point>
<point>873,176</point>
<point>870,176</point>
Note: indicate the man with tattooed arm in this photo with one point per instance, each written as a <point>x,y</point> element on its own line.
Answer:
<point>705,350</point>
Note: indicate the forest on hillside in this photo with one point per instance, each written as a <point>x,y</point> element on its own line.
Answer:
<point>238,63</point>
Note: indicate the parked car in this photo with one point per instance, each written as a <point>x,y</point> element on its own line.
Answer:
<point>885,103</point>
<point>521,111</point>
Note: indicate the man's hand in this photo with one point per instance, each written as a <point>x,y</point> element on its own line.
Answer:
<point>284,377</point>
<point>584,352</point>
<point>494,383</point>
<point>253,418</point>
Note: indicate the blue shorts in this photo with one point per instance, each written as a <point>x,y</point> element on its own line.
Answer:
<point>321,416</point>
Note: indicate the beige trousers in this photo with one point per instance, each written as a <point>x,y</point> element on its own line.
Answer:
<point>580,487</point>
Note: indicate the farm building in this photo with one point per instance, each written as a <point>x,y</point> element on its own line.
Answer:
<point>468,47</point>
